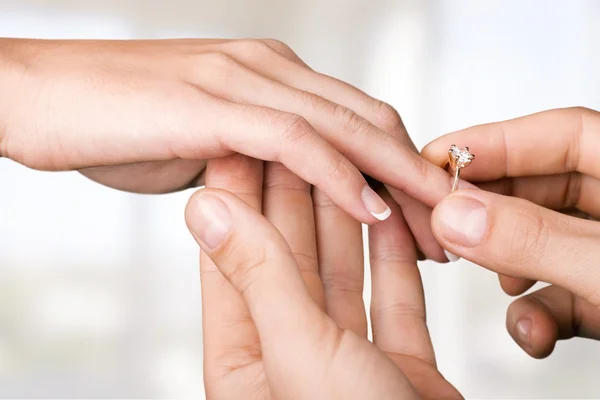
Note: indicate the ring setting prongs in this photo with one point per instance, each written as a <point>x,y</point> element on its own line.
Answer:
<point>458,159</point>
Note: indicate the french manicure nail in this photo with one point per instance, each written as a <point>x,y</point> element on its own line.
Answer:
<point>211,221</point>
<point>523,328</point>
<point>462,220</point>
<point>375,204</point>
<point>451,257</point>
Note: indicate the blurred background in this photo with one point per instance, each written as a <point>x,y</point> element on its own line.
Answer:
<point>99,290</point>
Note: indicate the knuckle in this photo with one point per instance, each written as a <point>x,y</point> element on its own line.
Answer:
<point>389,118</point>
<point>278,176</point>
<point>400,309</point>
<point>338,280</point>
<point>251,47</point>
<point>219,59</point>
<point>351,121</point>
<point>321,200</point>
<point>295,128</point>
<point>421,170</point>
<point>220,62</point>
<point>314,101</point>
<point>307,263</point>
<point>391,254</point>
<point>247,271</point>
<point>279,47</point>
<point>529,237</point>
<point>339,169</point>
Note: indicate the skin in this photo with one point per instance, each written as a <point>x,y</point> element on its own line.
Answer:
<point>145,116</point>
<point>283,315</point>
<point>541,177</point>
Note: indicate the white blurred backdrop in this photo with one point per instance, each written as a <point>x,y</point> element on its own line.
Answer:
<point>99,290</point>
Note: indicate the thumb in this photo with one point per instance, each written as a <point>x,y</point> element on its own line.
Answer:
<point>515,237</point>
<point>255,258</point>
<point>299,343</point>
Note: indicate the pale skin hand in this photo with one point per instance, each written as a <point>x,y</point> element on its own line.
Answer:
<point>283,313</point>
<point>545,162</point>
<point>144,116</point>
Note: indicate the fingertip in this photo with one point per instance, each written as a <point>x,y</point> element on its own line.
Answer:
<point>532,328</point>
<point>436,151</point>
<point>460,220</point>
<point>384,215</point>
<point>208,218</point>
<point>514,286</point>
<point>451,256</point>
<point>376,206</point>
<point>436,253</point>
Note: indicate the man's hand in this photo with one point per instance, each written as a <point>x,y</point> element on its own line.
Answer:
<point>283,312</point>
<point>548,164</point>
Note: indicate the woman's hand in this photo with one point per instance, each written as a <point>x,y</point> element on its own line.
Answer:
<point>283,312</point>
<point>547,161</point>
<point>145,116</point>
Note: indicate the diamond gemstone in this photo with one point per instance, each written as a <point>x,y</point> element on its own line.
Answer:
<point>462,157</point>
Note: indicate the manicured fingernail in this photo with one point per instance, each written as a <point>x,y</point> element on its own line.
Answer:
<point>211,221</point>
<point>462,220</point>
<point>523,328</point>
<point>451,257</point>
<point>375,204</point>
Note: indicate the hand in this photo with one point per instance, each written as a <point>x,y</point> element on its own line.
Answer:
<point>547,161</point>
<point>283,312</point>
<point>145,116</point>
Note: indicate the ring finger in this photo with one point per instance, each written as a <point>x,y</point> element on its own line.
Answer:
<point>287,204</point>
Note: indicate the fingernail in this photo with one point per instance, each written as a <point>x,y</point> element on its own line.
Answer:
<point>462,220</point>
<point>375,204</point>
<point>451,257</point>
<point>523,328</point>
<point>211,221</point>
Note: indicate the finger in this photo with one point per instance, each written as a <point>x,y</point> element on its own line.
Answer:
<point>338,100</point>
<point>562,140</point>
<point>515,286</point>
<point>380,115</point>
<point>293,72</point>
<point>229,335</point>
<point>287,204</point>
<point>255,258</point>
<point>558,192</point>
<point>273,135</point>
<point>397,304</point>
<point>341,263</point>
<point>284,50</point>
<point>264,58</point>
<point>537,321</point>
<point>518,238</point>
<point>418,218</point>
<point>369,148</point>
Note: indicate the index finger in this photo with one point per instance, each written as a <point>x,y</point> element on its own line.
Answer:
<point>366,131</point>
<point>549,142</point>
